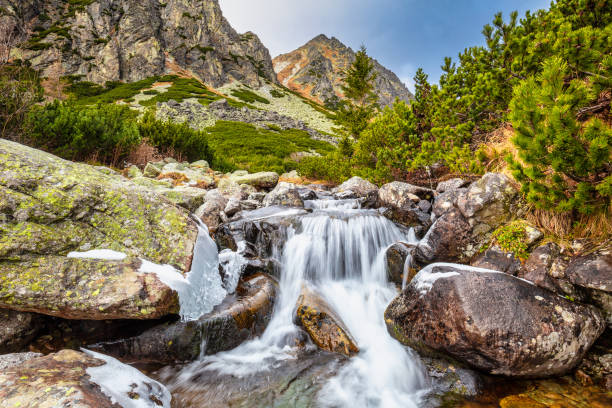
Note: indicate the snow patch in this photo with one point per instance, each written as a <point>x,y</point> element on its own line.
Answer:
<point>118,381</point>
<point>104,254</point>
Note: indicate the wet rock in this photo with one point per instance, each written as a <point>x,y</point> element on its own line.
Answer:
<point>210,212</point>
<point>493,322</point>
<point>452,184</point>
<point>395,258</point>
<point>497,259</point>
<point>91,289</point>
<point>68,378</point>
<point>307,193</point>
<point>263,180</point>
<point>233,206</point>
<point>324,327</point>
<point>356,187</point>
<point>445,240</point>
<point>451,382</point>
<point>17,330</point>
<point>284,194</point>
<point>402,203</point>
<point>260,229</point>
<point>240,317</point>
<point>291,383</point>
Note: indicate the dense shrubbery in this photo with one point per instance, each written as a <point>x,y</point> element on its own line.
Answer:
<point>108,133</point>
<point>104,133</point>
<point>556,63</point>
<point>178,138</point>
<point>19,90</point>
<point>246,147</point>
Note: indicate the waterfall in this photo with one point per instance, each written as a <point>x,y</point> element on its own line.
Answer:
<point>339,250</point>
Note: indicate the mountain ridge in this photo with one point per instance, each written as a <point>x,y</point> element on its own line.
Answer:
<point>315,71</point>
<point>129,40</point>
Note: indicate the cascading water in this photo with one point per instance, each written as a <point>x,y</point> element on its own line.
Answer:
<point>339,250</point>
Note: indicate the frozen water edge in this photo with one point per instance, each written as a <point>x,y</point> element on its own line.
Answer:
<point>118,381</point>
<point>103,254</point>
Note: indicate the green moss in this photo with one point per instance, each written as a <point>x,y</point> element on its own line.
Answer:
<point>513,238</point>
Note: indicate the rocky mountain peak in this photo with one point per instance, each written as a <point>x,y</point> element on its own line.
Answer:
<point>315,70</point>
<point>128,40</point>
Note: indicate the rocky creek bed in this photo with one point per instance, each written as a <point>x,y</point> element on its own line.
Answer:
<point>293,292</point>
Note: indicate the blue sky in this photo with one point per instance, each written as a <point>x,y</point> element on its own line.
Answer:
<point>401,34</point>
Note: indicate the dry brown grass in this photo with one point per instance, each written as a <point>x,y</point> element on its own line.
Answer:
<point>144,154</point>
<point>596,227</point>
<point>497,145</point>
<point>177,178</point>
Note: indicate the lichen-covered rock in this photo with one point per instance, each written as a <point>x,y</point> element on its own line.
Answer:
<point>356,187</point>
<point>324,327</point>
<point>488,202</point>
<point>284,194</point>
<point>452,184</point>
<point>493,321</point>
<point>190,198</point>
<point>68,379</point>
<point>17,329</point>
<point>52,207</point>
<point>466,217</point>
<point>543,262</point>
<point>85,289</point>
<point>261,180</point>
<point>14,359</point>
<point>237,319</point>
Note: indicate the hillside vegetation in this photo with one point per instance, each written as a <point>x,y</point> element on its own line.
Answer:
<point>548,74</point>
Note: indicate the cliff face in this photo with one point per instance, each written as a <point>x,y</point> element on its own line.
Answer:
<point>315,71</point>
<point>128,40</point>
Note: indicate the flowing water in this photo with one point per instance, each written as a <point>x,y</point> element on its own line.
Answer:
<point>338,250</point>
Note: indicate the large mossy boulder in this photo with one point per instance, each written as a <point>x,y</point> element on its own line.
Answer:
<point>493,321</point>
<point>50,207</point>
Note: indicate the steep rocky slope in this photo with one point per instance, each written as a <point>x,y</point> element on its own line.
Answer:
<point>315,71</point>
<point>128,40</point>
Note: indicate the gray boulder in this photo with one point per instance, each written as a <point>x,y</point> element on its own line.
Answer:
<point>492,321</point>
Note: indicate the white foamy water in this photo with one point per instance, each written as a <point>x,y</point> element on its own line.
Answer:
<point>338,250</point>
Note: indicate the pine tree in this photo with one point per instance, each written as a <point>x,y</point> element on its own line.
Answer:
<point>360,103</point>
<point>564,163</point>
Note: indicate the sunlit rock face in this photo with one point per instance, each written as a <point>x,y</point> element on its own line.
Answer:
<point>315,71</point>
<point>129,40</point>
